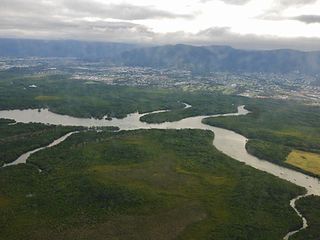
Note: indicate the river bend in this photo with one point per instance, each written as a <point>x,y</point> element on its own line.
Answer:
<point>228,142</point>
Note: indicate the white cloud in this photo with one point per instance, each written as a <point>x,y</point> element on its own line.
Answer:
<point>242,23</point>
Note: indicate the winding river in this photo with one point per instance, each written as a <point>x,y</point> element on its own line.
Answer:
<point>23,158</point>
<point>228,142</point>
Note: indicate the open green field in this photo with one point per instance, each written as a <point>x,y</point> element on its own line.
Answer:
<point>307,161</point>
<point>156,184</point>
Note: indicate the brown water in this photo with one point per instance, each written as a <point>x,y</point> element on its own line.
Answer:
<point>228,142</point>
<point>23,158</point>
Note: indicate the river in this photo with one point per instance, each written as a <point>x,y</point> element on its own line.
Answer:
<point>228,142</point>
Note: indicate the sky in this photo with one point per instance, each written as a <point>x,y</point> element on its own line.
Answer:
<point>248,24</point>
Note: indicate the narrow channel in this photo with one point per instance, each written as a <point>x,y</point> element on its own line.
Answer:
<point>24,157</point>
<point>226,141</point>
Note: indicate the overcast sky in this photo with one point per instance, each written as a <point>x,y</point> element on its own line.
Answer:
<point>262,24</point>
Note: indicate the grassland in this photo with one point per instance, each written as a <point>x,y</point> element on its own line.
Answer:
<point>305,160</point>
<point>156,184</point>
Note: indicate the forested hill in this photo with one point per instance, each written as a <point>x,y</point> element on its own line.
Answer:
<point>222,58</point>
<point>198,59</point>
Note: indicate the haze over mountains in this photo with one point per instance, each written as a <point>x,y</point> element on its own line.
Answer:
<point>223,58</point>
<point>198,59</point>
<point>63,48</point>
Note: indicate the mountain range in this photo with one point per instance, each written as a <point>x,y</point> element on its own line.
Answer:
<point>195,58</point>
<point>61,48</point>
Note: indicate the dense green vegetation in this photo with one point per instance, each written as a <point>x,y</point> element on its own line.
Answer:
<point>76,98</point>
<point>16,139</point>
<point>202,104</point>
<point>274,127</point>
<point>156,184</point>
<point>310,208</point>
<point>267,150</point>
<point>275,153</point>
<point>147,184</point>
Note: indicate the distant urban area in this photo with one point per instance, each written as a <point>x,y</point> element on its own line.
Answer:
<point>294,85</point>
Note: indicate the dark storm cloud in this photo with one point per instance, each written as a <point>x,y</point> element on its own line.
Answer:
<point>308,18</point>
